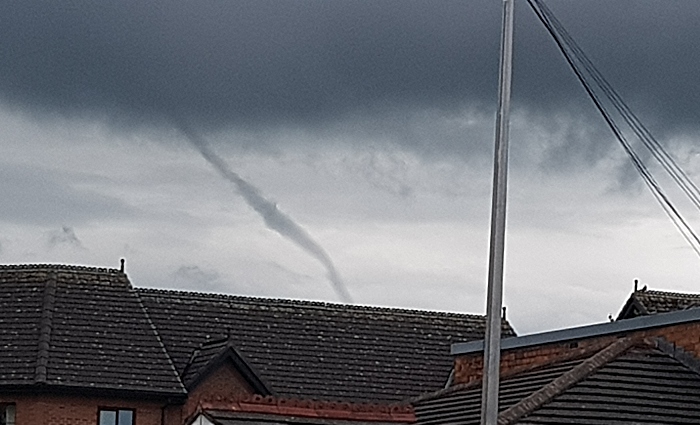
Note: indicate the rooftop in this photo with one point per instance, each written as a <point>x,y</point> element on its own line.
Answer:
<point>601,329</point>
<point>318,350</point>
<point>645,302</point>
<point>629,381</point>
<point>78,327</point>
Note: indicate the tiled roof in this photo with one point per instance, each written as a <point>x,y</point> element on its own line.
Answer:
<point>227,417</point>
<point>21,301</point>
<point>81,327</point>
<point>76,328</point>
<point>211,354</point>
<point>645,302</point>
<point>318,350</point>
<point>202,357</point>
<point>257,410</point>
<point>629,382</point>
<point>643,386</point>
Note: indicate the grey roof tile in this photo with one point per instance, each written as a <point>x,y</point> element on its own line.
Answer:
<point>81,327</point>
<point>89,331</point>
<point>642,384</point>
<point>318,350</point>
<point>644,302</point>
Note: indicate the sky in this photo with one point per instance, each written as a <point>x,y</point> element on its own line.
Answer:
<point>342,151</point>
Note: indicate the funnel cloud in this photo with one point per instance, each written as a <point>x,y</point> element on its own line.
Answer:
<point>271,215</point>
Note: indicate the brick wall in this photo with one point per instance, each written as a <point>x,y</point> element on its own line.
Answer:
<point>70,410</point>
<point>686,336</point>
<point>223,384</point>
<point>469,367</point>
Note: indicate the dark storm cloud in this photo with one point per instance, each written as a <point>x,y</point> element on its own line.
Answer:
<point>247,61</point>
<point>261,63</point>
<point>647,49</point>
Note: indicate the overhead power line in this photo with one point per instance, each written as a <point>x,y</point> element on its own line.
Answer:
<point>613,109</point>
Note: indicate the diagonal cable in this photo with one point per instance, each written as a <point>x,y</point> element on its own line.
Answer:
<point>585,72</point>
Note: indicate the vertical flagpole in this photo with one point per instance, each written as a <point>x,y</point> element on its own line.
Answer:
<point>492,343</point>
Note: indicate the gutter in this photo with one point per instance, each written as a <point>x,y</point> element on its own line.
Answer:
<point>583,332</point>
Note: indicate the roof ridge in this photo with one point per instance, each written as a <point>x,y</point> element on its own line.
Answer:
<point>667,293</point>
<point>57,266</point>
<point>307,303</point>
<point>565,381</point>
<point>45,327</point>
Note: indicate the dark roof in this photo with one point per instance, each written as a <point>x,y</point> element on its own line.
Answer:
<point>457,406</point>
<point>641,386</point>
<point>74,328</point>
<point>628,382</point>
<point>211,354</point>
<point>645,302</point>
<point>79,327</point>
<point>318,350</point>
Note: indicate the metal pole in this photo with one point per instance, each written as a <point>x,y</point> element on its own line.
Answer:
<point>492,343</point>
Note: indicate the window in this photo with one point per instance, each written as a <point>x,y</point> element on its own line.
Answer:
<point>109,416</point>
<point>7,414</point>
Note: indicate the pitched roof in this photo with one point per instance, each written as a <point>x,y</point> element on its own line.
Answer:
<point>213,353</point>
<point>79,327</point>
<point>644,302</point>
<point>318,350</point>
<point>628,382</point>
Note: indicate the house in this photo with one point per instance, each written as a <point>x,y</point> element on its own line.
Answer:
<point>644,302</point>
<point>643,368</point>
<point>82,345</point>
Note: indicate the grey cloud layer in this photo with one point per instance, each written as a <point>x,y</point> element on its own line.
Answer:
<point>46,197</point>
<point>305,63</point>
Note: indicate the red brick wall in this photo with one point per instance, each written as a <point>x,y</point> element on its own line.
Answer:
<point>469,367</point>
<point>686,336</point>
<point>223,384</point>
<point>69,410</point>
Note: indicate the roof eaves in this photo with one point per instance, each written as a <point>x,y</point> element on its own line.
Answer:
<point>81,390</point>
<point>589,331</point>
<point>565,381</point>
